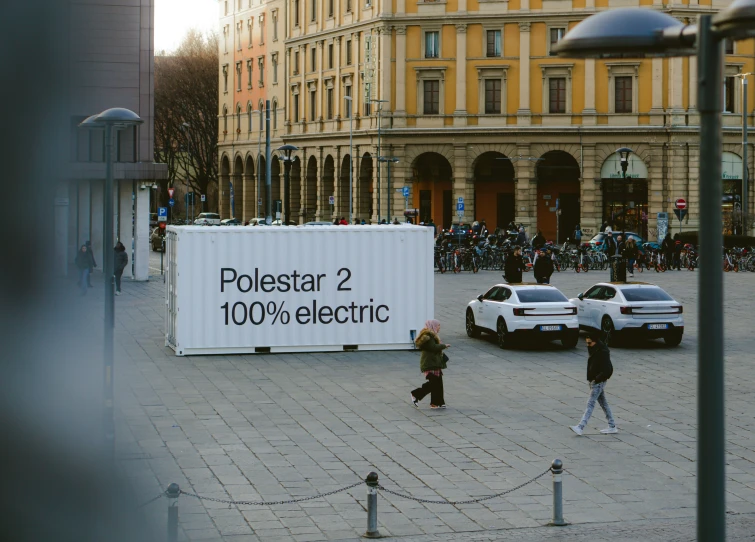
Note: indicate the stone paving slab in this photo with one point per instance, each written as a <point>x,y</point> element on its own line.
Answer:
<point>273,426</point>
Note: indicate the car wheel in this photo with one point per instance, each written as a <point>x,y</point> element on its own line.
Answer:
<point>606,326</point>
<point>673,339</point>
<point>502,333</point>
<point>570,340</point>
<point>472,330</point>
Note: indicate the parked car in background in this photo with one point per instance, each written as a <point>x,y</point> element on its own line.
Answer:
<point>207,219</point>
<point>538,311</point>
<point>633,309</point>
<point>259,221</point>
<point>288,223</point>
<point>157,239</point>
<point>318,223</point>
<point>599,238</point>
<point>230,222</point>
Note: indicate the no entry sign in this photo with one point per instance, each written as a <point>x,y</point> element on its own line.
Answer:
<point>680,203</point>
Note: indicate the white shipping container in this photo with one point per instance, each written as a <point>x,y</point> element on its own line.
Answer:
<point>242,290</point>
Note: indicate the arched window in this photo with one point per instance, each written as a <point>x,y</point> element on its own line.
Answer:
<point>275,114</point>
<point>225,119</point>
<point>249,112</point>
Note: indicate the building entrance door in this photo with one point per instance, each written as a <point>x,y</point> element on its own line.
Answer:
<point>506,210</point>
<point>425,205</point>
<point>569,204</point>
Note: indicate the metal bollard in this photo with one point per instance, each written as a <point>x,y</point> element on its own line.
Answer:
<point>372,490</point>
<point>172,493</point>
<point>557,468</point>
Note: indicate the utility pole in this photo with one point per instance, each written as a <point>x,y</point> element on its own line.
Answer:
<point>745,169</point>
<point>268,166</point>
<point>351,159</point>
<point>379,110</point>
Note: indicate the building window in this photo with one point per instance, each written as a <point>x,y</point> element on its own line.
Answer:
<point>275,114</point>
<point>238,118</point>
<point>493,43</point>
<point>225,78</point>
<point>312,105</point>
<point>313,55</point>
<point>493,96</point>
<point>347,94</point>
<point>249,70</point>
<point>261,64</point>
<point>225,119</point>
<point>729,46</point>
<point>239,27</point>
<point>557,95</point>
<point>225,39</point>
<point>296,107</point>
<point>238,76</point>
<point>330,56</point>
<point>314,10</point>
<point>296,63</point>
<point>368,97</point>
<point>329,94</point>
<point>330,8</point>
<point>249,112</point>
<point>556,34</point>
<point>623,94</point>
<point>348,6</point>
<point>261,108</point>
<point>367,3</point>
<point>729,94</point>
<point>296,12</point>
<point>275,25</point>
<point>275,68</point>
<point>432,44</point>
<point>348,52</point>
<point>262,29</point>
<point>432,97</point>
<point>225,7</point>
<point>250,26</point>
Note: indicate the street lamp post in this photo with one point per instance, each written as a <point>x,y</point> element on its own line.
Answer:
<point>637,32</point>
<point>379,110</point>
<point>745,169</point>
<point>389,160</point>
<point>287,161</point>
<point>111,120</point>
<point>624,153</point>
<point>351,158</point>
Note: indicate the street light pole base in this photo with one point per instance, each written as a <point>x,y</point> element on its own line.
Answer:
<point>374,534</point>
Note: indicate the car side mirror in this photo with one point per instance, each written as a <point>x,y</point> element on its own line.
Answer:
<point>479,297</point>
<point>581,296</point>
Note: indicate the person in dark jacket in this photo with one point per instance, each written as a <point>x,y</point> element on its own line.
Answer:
<point>83,261</point>
<point>513,266</point>
<point>521,237</point>
<point>667,247</point>
<point>539,240</point>
<point>544,268</point>
<point>431,363</point>
<point>599,370</point>
<point>577,235</point>
<point>92,263</point>
<point>630,253</point>
<point>121,260</point>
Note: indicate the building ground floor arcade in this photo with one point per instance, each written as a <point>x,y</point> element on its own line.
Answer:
<point>546,181</point>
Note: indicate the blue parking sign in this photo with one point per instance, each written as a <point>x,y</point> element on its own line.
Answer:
<point>162,211</point>
<point>405,191</point>
<point>459,206</point>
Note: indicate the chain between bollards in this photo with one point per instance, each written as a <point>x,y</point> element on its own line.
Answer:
<point>557,468</point>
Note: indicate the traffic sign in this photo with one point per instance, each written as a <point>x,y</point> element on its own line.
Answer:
<point>460,200</point>
<point>405,191</point>
<point>680,203</point>
<point>162,214</point>
<point>170,192</point>
<point>332,200</point>
<point>204,198</point>
<point>680,213</point>
<point>460,206</point>
<point>171,202</point>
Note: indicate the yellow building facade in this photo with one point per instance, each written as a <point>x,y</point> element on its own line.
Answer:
<point>467,97</point>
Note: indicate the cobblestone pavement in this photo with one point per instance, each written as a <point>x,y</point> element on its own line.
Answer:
<point>278,426</point>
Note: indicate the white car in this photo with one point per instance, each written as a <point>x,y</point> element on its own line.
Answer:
<point>632,308</point>
<point>539,311</point>
<point>207,219</point>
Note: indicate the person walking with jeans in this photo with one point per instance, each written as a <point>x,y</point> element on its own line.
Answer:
<point>599,370</point>
<point>121,261</point>
<point>431,364</point>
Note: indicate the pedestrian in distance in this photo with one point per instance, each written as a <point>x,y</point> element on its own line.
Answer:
<point>121,260</point>
<point>599,370</point>
<point>543,268</point>
<point>630,255</point>
<point>83,261</point>
<point>539,240</point>
<point>343,221</point>
<point>92,263</point>
<point>521,237</point>
<point>667,247</point>
<point>578,235</point>
<point>513,267</point>
<point>336,221</point>
<point>432,361</point>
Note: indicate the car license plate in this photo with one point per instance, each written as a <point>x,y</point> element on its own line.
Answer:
<point>550,328</point>
<point>657,326</point>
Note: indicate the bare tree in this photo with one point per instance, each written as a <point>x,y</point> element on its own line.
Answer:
<point>186,109</point>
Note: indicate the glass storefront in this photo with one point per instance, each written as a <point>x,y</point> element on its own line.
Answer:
<point>731,203</point>
<point>625,205</point>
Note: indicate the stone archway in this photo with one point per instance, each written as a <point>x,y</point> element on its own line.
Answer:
<point>433,188</point>
<point>342,199</point>
<point>310,190</point>
<point>363,208</point>
<point>275,187</point>
<point>250,193</point>
<point>327,189</point>
<point>494,190</point>
<point>223,181</point>
<point>557,174</point>
<point>295,191</point>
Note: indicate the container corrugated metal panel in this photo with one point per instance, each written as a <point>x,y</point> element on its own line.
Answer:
<point>297,289</point>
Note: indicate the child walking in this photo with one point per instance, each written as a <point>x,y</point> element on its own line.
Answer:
<point>431,364</point>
